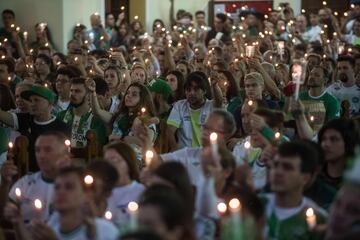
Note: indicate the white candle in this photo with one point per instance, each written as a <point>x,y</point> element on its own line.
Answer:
<point>68,145</point>
<point>18,195</point>
<point>11,146</point>
<point>133,209</point>
<point>310,218</point>
<point>213,143</point>
<point>149,155</point>
<point>235,207</point>
<point>221,207</point>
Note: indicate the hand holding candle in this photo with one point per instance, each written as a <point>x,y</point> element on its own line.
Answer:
<point>310,218</point>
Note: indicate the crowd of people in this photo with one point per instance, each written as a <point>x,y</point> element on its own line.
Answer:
<point>245,129</point>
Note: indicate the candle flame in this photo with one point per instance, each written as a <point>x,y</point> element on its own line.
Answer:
<point>213,136</point>
<point>221,207</point>
<point>88,179</point>
<point>310,212</point>
<point>18,192</point>
<point>133,206</point>
<point>108,215</point>
<point>247,144</point>
<point>38,204</point>
<point>234,203</point>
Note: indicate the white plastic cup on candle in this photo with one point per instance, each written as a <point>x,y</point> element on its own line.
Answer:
<point>133,208</point>
<point>310,218</point>
<point>213,143</point>
<point>249,51</point>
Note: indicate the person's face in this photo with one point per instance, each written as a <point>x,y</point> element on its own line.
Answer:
<point>312,62</point>
<point>49,153</point>
<point>316,78</point>
<point>344,212</point>
<point>115,159</point>
<point>301,22</point>
<point>194,95</point>
<point>132,97</point>
<point>150,216</point>
<point>21,104</point>
<point>63,85</point>
<point>251,20</point>
<point>253,89</point>
<point>72,46</point>
<point>356,28</point>
<point>39,105</point>
<point>200,19</point>
<point>344,71</point>
<point>214,123</point>
<point>218,24</point>
<point>4,74</point>
<point>20,66</point>
<point>95,20</point>
<point>111,79</point>
<point>323,15</point>
<point>41,67</point>
<point>314,19</point>
<point>281,26</point>
<point>182,68</point>
<point>8,19</point>
<point>110,20</point>
<point>333,145</point>
<point>172,80</point>
<point>78,95</point>
<point>69,193</point>
<point>122,30</point>
<point>138,75</point>
<point>285,174</point>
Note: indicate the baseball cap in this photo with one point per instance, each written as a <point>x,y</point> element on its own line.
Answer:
<point>159,85</point>
<point>41,91</point>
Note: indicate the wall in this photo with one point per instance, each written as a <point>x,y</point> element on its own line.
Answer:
<point>60,15</point>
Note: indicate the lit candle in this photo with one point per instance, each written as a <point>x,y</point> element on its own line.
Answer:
<point>213,143</point>
<point>11,146</point>
<point>18,29</point>
<point>122,8</point>
<point>18,195</point>
<point>221,207</point>
<point>303,11</point>
<point>136,17</point>
<point>149,155</point>
<point>133,208</point>
<point>324,3</point>
<point>310,218</point>
<point>108,215</point>
<point>68,145</point>
<point>38,208</point>
<point>235,207</point>
<point>249,51</point>
<point>250,102</point>
<point>88,180</point>
<point>46,85</point>
<point>312,118</point>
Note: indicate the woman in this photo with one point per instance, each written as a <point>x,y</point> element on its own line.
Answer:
<point>176,81</point>
<point>117,85</point>
<point>338,139</point>
<point>123,36</point>
<point>138,74</point>
<point>127,189</point>
<point>43,67</point>
<point>43,37</point>
<point>137,96</point>
<point>230,90</point>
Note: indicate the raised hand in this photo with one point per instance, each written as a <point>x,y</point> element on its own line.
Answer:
<point>8,171</point>
<point>90,85</point>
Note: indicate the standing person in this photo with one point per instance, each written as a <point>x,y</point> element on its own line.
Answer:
<point>346,89</point>
<point>176,81</point>
<point>80,116</point>
<point>7,73</point>
<point>285,208</point>
<point>97,33</point>
<point>38,121</point>
<point>117,85</point>
<point>219,31</point>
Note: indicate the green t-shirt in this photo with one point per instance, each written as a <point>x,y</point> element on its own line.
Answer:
<point>332,105</point>
<point>80,126</point>
<point>4,139</point>
<point>234,103</point>
<point>292,225</point>
<point>195,119</point>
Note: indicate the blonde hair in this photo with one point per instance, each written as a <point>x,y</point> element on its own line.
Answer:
<point>255,75</point>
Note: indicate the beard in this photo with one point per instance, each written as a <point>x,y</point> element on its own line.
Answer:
<point>343,77</point>
<point>76,105</point>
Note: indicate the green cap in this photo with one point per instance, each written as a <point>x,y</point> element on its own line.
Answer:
<point>39,91</point>
<point>160,86</point>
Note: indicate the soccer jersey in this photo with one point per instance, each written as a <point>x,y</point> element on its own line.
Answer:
<point>119,200</point>
<point>351,94</point>
<point>188,122</point>
<point>331,104</point>
<point>105,230</point>
<point>290,223</point>
<point>81,124</point>
<point>32,187</point>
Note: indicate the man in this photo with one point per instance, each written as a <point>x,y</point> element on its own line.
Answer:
<point>189,115</point>
<point>200,19</point>
<point>344,215</point>
<point>285,210</point>
<point>7,73</point>
<point>38,121</point>
<point>98,33</point>
<point>80,116</point>
<point>8,18</point>
<point>219,31</point>
<point>51,154</point>
<point>346,89</point>
<point>62,85</point>
<point>317,92</point>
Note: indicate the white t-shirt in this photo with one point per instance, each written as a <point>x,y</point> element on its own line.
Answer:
<point>105,230</point>
<point>180,117</point>
<point>32,187</point>
<point>119,200</point>
<point>313,34</point>
<point>341,93</point>
<point>115,102</point>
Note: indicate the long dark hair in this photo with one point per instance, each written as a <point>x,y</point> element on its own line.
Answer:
<point>179,93</point>
<point>233,89</point>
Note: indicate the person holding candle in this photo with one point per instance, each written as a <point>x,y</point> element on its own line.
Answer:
<point>51,154</point>
<point>80,116</point>
<point>286,206</point>
<point>101,38</point>
<point>127,189</point>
